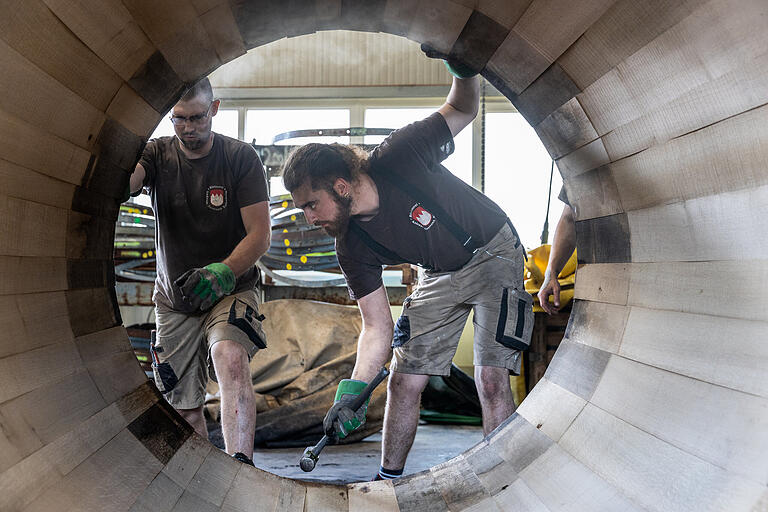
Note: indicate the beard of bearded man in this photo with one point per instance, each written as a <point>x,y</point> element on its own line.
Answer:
<point>199,137</point>
<point>337,226</point>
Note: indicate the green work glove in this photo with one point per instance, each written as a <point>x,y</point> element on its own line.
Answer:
<point>341,420</point>
<point>455,67</point>
<point>201,288</point>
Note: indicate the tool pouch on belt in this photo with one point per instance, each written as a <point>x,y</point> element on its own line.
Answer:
<point>245,318</point>
<point>165,377</point>
<point>515,319</point>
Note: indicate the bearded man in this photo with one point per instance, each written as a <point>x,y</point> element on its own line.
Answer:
<point>398,204</point>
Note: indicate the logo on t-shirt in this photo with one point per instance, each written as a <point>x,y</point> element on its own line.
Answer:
<point>216,197</point>
<point>421,217</point>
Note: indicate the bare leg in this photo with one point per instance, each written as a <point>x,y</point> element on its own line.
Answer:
<point>195,418</point>
<point>495,396</point>
<point>401,417</point>
<point>238,403</point>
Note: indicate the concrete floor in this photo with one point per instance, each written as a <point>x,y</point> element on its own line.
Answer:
<point>359,462</point>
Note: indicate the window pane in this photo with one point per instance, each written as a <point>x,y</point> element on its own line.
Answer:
<point>459,163</point>
<point>517,169</point>
<point>262,125</point>
<point>225,123</point>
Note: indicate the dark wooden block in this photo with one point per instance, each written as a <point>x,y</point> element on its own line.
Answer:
<point>604,239</point>
<point>158,83</point>
<point>478,41</point>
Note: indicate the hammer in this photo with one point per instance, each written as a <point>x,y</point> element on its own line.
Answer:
<point>312,453</point>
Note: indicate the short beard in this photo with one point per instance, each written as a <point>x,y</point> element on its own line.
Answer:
<point>337,228</point>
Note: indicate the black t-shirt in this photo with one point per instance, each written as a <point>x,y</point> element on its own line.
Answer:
<point>402,224</point>
<point>197,208</point>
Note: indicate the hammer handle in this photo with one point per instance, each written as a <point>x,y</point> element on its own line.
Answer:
<point>368,389</point>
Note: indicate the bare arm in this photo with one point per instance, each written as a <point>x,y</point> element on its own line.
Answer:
<point>137,178</point>
<point>461,105</point>
<point>375,341</point>
<point>256,242</point>
<point>563,244</point>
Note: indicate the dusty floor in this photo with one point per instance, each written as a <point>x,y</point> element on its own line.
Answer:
<point>360,461</point>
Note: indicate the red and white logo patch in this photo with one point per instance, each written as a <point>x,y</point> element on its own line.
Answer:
<point>216,197</point>
<point>421,217</point>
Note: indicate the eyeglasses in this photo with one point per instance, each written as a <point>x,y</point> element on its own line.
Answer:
<point>195,119</point>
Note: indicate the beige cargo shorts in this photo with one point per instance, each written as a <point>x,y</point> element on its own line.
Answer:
<point>491,283</point>
<point>181,352</point>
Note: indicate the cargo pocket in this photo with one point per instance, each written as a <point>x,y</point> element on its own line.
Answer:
<point>515,319</point>
<point>403,326</point>
<point>248,320</point>
<point>165,378</point>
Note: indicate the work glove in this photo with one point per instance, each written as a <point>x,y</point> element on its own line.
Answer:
<point>455,67</point>
<point>341,420</point>
<point>201,288</point>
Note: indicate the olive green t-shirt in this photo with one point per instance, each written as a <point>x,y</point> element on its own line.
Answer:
<point>197,208</point>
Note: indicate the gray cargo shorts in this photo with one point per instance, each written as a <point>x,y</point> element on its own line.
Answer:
<point>491,283</point>
<point>181,354</point>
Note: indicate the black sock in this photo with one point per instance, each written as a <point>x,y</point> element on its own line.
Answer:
<point>389,474</point>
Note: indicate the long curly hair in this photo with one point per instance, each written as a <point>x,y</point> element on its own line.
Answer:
<point>321,164</point>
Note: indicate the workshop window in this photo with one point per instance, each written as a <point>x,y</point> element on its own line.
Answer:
<point>517,170</point>
<point>261,125</point>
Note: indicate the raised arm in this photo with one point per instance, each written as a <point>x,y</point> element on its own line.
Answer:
<point>461,105</point>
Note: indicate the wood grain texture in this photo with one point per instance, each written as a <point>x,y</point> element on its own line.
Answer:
<point>566,129</point>
<point>727,352</point>
<point>418,491</point>
<point>505,12</point>
<point>597,325</point>
<point>672,408</point>
<point>516,63</point>
<point>563,483</point>
<point>603,239</point>
<point>617,451</point>
<point>57,51</point>
<point>547,93</point>
<point>595,193</point>
<point>118,482</point>
<point>518,496</point>
<point>732,93</point>
<point>626,27</point>
<point>605,282</point>
<point>31,94</point>
<point>176,30</point>
<point>460,487</point>
<point>253,486</point>
<point>713,41</point>
<point>565,22</point>
<point>702,229</point>
<point>577,368</point>
<point>727,156</point>
<point>719,288</point>
<point>478,40</point>
<point>438,25</point>
<point>31,275</point>
<point>373,496</point>
<point>553,421</point>
<point>108,29</point>
<point>31,229</point>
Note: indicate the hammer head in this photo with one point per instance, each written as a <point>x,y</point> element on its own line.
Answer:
<point>308,460</point>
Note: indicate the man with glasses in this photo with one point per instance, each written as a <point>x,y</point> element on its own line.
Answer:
<point>209,193</point>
